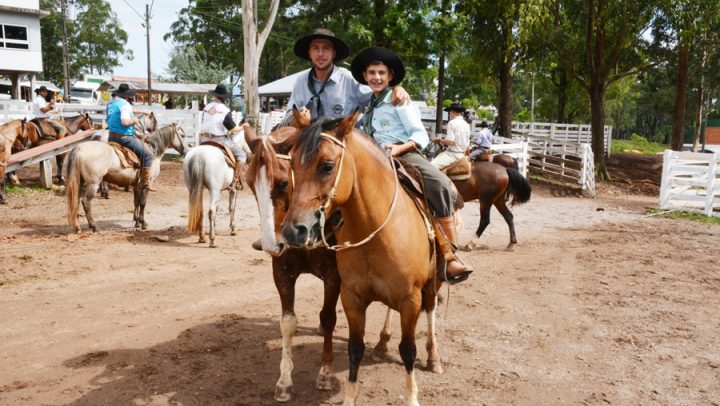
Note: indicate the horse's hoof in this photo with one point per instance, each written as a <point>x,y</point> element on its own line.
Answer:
<point>510,247</point>
<point>144,226</point>
<point>436,367</point>
<point>283,393</point>
<point>324,381</point>
<point>212,245</point>
<point>94,228</point>
<point>233,232</point>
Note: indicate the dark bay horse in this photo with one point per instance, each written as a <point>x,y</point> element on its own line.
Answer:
<point>385,254</point>
<point>490,184</point>
<point>93,161</point>
<point>14,136</point>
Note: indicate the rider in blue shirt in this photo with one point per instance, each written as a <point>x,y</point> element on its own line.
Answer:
<point>121,125</point>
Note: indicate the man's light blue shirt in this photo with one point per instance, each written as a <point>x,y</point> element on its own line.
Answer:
<point>398,124</point>
<point>342,95</point>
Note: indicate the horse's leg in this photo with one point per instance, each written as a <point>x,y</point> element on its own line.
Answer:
<point>60,160</point>
<point>104,192</point>
<point>328,318</point>
<point>88,196</point>
<point>139,213</point>
<point>409,314</point>
<point>13,178</point>
<point>355,313</point>
<point>285,285</point>
<point>484,222</point>
<point>231,208</point>
<point>508,216</point>
<point>434,363</point>
<point>212,213</point>
<point>385,334</point>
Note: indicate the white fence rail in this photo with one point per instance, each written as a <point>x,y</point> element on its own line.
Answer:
<point>517,149</point>
<point>569,161</point>
<point>269,120</point>
<point>578,133</point>
<point>691,181</point>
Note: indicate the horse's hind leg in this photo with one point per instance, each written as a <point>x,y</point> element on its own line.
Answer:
<point>212,214</point>
<point>104,192</point>
<point>434,363</point>
<point>508,216</point>
<point>381,348</point>
<point>484,222</point>
<point>231,209</point>
<point>60,160</point>
<point>285,285</point>
<point>328,318</point>
<point>88,196</point>
<point>139,214</point>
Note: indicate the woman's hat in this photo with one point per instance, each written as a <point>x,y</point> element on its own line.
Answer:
<point>384,55</point>
<point>455,106</point>
<point>221,92</point>
<point>301,46</point>
<point>40,89</point>
<point>123,91</point>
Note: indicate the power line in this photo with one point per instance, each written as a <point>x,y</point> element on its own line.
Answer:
<point>133,9</point>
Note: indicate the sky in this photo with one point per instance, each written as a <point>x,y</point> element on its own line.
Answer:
<point>163,13</point>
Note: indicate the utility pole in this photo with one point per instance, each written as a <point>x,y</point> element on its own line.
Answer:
<point>532,99</point>
<point>147,30</point>
<point>66,75</point>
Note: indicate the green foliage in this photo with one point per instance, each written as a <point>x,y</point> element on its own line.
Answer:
<point>485,115</point>
<point>683,215</point>
<point>638,143</point>
<point>191,64</point>
<point>469,103</point>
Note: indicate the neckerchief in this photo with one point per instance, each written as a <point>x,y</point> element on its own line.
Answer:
<point>315,105</point>
<point>374,101</point>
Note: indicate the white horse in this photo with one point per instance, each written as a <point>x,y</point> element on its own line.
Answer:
<point>94,161</point>
<point>204,167</point>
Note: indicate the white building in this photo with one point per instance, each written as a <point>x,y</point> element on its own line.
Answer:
<point>20,44</point>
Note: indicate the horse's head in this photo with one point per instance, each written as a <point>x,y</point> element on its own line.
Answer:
<point>323,177</point>
<point>147,123</point>
<point>268,176</point>
<point>178,141</point>
<point>86,122</point>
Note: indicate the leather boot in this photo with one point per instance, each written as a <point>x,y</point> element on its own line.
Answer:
<point>144,181</point>
<point>236,182</point>
<point>456,271</point>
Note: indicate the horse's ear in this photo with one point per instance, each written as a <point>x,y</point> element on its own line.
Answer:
<point>346,124</point>
<point>24,120</point>
<point>251,138</point>
<point>302,117</point>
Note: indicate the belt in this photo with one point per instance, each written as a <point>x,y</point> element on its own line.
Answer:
<point>116,135</point>
<point>206,135</point>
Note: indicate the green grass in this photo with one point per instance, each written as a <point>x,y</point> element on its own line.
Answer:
<point>637,143</point>
<point>24,190</point>
<point>685,215</point>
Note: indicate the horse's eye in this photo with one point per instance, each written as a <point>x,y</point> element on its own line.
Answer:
<point>326,168</point>
<point>282,186</point>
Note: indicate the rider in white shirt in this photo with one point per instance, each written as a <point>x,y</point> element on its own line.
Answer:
<point>457,139</point>
<point>42,107</point>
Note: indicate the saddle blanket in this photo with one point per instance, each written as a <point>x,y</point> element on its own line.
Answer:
<point>229,157</point>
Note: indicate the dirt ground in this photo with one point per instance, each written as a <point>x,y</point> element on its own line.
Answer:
<point>597,304</point>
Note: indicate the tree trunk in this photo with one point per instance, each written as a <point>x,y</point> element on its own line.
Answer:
<point>506,94</point>
<point>254,43</point>
<point>378,27</point>
<point>699,103</point>
<point>597,124</point>
<point>562,85</point>
<point>440,96</point>
<point>681,80</point>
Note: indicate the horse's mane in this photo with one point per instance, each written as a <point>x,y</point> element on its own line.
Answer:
<point>310,138</point>
<point>161,138</point>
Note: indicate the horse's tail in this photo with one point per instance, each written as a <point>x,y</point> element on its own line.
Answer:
<point>195,187</point>
<point>72,190</point>
<point>519,187</point>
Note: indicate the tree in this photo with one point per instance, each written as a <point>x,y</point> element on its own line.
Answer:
<point>191,64</point>
<point>96,40</point>
<point>254,42</point>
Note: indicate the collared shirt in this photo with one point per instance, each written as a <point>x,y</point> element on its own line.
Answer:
<point>213,117</point>
<point>116,111</point>
<point>398,124</point>
<point>39,103</point>
<point>458,131</point>
<point>342,95</point>
<point>484,138</point>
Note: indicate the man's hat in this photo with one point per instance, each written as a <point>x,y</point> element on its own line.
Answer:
<point>484,124</point>
<point>301,46</point>
<point>455,106</point>
<point>40,89</point>
<point>123,91</point>
<point>384,55</point>
<point>221,92</point>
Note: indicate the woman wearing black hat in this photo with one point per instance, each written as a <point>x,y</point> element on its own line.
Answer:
<point>399,130</point>
<point>121,126</point>
<point>216,122</point>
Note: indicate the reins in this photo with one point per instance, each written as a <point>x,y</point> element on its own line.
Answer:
<point>333,193</point>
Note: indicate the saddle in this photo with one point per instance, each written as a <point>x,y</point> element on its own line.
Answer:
<point>47,132</point>
<point>460,170</point>
<point>229,157</point>
<point>128,158</point>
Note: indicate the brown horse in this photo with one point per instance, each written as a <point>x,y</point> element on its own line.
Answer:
<point>14,136</point>
<point>386,252</point>
<point>490,184</point>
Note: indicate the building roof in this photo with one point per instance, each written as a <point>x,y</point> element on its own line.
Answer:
<point>190,89</point>
<point>280,87</point>
<point>38,83</point>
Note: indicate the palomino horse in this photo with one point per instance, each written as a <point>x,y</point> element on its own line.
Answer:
<point>268,178</point>
<point>490,184</point>
<point>386,252</point>
<point>93,161</point>
<point>14,136</point>
<point>204,167</point>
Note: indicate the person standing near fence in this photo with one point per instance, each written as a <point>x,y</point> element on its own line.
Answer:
<point>457,139</point>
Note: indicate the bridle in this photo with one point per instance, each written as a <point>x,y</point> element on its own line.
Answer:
<point>333,194</point>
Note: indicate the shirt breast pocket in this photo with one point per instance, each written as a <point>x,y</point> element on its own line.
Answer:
<point>335,106</point>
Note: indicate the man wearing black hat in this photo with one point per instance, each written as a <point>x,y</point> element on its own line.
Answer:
<point>483,140</point>
<point>400,131</point>
<point>326,89</point>
<point>457,139</point>
<point>42,105</point>
<point>216,122</point>
<point>121,127</point>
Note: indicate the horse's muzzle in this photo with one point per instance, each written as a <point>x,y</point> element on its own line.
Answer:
<point>300,235</point>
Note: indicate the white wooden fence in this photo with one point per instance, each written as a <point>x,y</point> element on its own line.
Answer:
<point>269,120</point>
<point>691,181</point>
<point>577,133</point>
<point>517,149</point>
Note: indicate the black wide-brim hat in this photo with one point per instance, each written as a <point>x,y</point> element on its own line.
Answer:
<point>40,89</point>
<point>455,106</point>
<point>221,91</point>
<point>301,46</point>
<point>384,55</point>
<point>123,91</point>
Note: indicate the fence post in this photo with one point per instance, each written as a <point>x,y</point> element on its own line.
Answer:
<point>710,187</point>
<point>665,182</point>
<point>46,174</point>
